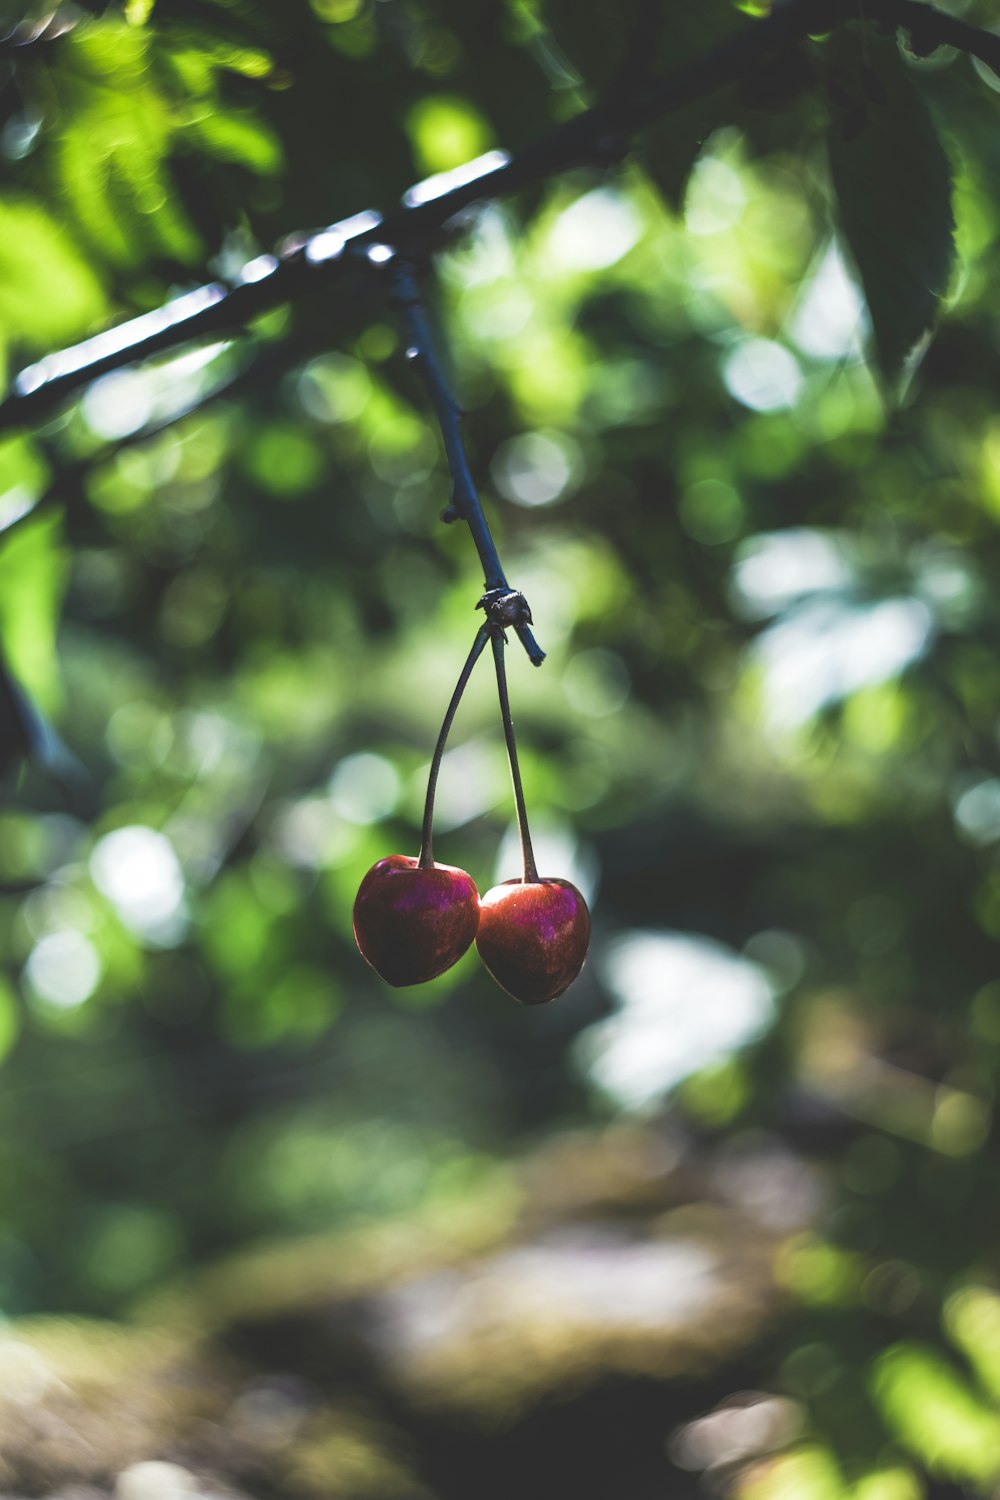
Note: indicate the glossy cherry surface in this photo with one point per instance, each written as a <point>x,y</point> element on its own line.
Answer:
<point>533,937</point>
<point>412,922</point>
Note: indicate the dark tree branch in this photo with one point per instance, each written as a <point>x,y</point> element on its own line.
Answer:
<point>593,137</point>
<point>264,364</point>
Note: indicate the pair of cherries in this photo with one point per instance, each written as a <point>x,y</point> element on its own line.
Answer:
<point>412,922</point>
<point>414,918</point>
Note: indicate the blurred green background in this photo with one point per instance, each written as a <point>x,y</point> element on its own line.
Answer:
<point>722,1220</point>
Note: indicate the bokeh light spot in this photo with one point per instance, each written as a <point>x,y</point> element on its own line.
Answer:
<point>537,468</point>
<point>715,199</point>
<point>830,320</point>
<point>138,871</point>
<point>762,375</point>
<point>685,1001</point>
<point>445,132</point>
<point>63,968</point>
<point>594,232</point>
<point>365,788</point>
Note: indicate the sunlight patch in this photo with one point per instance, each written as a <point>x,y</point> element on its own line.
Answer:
<point>138,871</point>
<point>685,1001</point>
<point>594,232</point>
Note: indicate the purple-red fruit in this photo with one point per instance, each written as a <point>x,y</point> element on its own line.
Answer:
<point>533,937</point>
<point>412,922</point>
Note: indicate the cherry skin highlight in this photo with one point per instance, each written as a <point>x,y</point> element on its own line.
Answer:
<point>413,922</point>
<point>533,937</point>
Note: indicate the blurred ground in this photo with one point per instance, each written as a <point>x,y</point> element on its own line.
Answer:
<point>569,1318</point>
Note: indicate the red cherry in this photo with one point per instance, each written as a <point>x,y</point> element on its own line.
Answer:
<point>533,937</point>
<point>412,922</point>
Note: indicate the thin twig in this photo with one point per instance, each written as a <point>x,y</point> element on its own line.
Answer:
<point>319,259</point>
<point>421,350</point>
<point>465,502</point>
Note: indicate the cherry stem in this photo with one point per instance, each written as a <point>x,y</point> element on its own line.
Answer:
<point>427,837</point>
<point>527,853</point>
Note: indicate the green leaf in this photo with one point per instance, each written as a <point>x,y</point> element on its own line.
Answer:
<point>893,186</point>
<point>25,733</point>
<point>110,153</point>
<point>593,34</point>
<point>241,138</point>
<point>33,570</point>
<point>620,45</point>
<point>933,1411</point>
<point>669,149</point>
<point>601,37</point>
<point>16,722</point>
<point>48,292</point>
<point>10,1018</point>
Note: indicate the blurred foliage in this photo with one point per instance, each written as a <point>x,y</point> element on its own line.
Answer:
<point>766,738</point>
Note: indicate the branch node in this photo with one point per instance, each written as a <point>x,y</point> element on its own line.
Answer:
<point>453,510</point>
<point>505,607</point>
